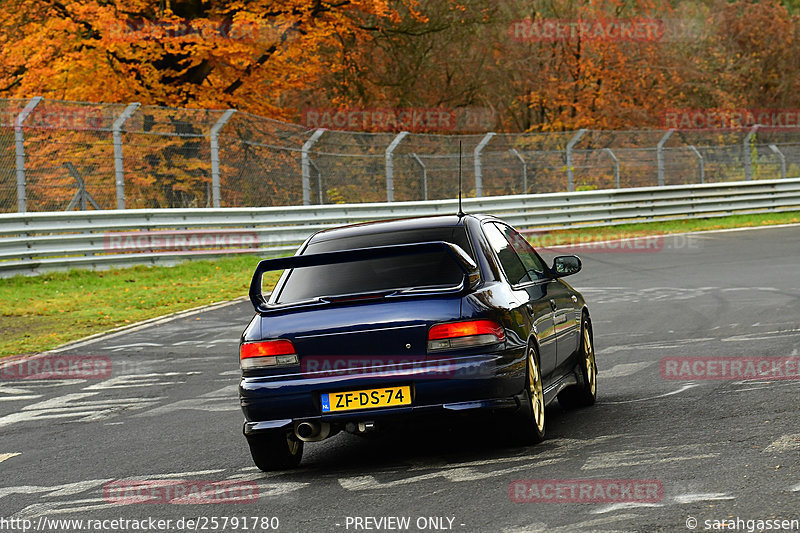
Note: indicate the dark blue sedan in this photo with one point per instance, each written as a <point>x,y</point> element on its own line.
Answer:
<point>375,322</point>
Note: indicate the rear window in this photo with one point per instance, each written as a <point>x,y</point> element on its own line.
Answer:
<point>411,271</point>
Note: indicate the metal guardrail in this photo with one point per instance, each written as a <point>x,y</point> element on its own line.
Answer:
<point>31,243</point>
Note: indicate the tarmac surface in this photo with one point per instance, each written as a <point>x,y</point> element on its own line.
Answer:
<point>662,450</point>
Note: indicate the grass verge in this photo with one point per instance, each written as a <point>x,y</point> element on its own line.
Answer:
<point>572,236</point>
<point>46,311</point>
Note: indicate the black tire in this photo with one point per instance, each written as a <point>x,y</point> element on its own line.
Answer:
<point>585,393</point>
<point>277,449</point>
<point>531,419</point>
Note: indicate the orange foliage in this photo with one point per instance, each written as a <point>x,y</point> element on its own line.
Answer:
<point>247,55</point>
<point>277,57</point>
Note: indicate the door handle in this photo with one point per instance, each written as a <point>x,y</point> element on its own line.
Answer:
<point>553,305</point>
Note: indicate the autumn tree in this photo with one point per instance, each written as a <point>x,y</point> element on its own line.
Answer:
<point>250,55</point>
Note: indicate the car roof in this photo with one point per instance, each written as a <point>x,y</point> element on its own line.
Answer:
<point>384,226</point>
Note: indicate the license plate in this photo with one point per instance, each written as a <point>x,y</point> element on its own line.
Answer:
<point>366,399</point>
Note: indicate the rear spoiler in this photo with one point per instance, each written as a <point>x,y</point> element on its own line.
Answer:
<point>465,263</point>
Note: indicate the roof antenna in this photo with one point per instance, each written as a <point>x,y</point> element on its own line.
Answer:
<point>460,211</point>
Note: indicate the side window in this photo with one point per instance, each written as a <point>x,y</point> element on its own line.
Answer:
<point>533,263</point>
<point>514,268</point>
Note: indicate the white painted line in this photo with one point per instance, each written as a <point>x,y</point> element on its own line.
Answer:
<point>796,488</point>
<point>455,474</point>
<point>652,236</point>
<point>764,335</point>
<point>624,369</point>
<point>729,230</point>
<point>703,497</point>
<point>96,503</point>
<point>270,490</point>
<point>534,527</point>
<point>127,381</point>
<point>427,465</point>
<point>130,328</point>
<point>67,489</point>
<point>136,345</point>
<point>17,398</point>
<point>77,405</point>
<point>220,400</point>
<point>7,389</point>
<point>209,342</point>
<point>682,389</point>
<point>647,456</point>
<point>175,475</point>
<point>784,444</point>
<point>588,525</point>
<point>624,505</point>
<point>37,510</point>
<point>6,456</point>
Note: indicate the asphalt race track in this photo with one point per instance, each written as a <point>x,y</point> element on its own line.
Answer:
<point>717,449</point>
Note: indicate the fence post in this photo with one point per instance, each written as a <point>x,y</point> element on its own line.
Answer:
<point>305,164</point>
<point>424,175</point>
<point>390,165</point>
<point>748,156</point>
<point>616,166</point>
<point>215,192</point>
<point>119,169</point>
<point>516,154</point>
<point>320,196</point>
<point>782,159</point>
<point>478,166</point>
<point>701,163</point>
<point>570,145</point>
<point>660,156</point>
<point>19,147</point>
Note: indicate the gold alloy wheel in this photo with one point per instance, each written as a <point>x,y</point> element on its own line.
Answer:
<point>588,356</point>
<point>535,385</point>
<point>293,444</point>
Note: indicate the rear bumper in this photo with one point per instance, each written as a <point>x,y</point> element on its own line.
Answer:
<point>455,385</point>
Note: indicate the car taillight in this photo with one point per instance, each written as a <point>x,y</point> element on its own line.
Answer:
<point>266,354</point>
<point>464,335</point>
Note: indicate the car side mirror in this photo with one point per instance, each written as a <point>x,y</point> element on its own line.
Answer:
<point>566,265</point>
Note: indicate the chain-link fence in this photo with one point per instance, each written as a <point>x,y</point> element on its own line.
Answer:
<point>57,155</point>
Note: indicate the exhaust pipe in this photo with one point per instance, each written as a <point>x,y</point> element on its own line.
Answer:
<point>360,428</point>
<point>312,431</point>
